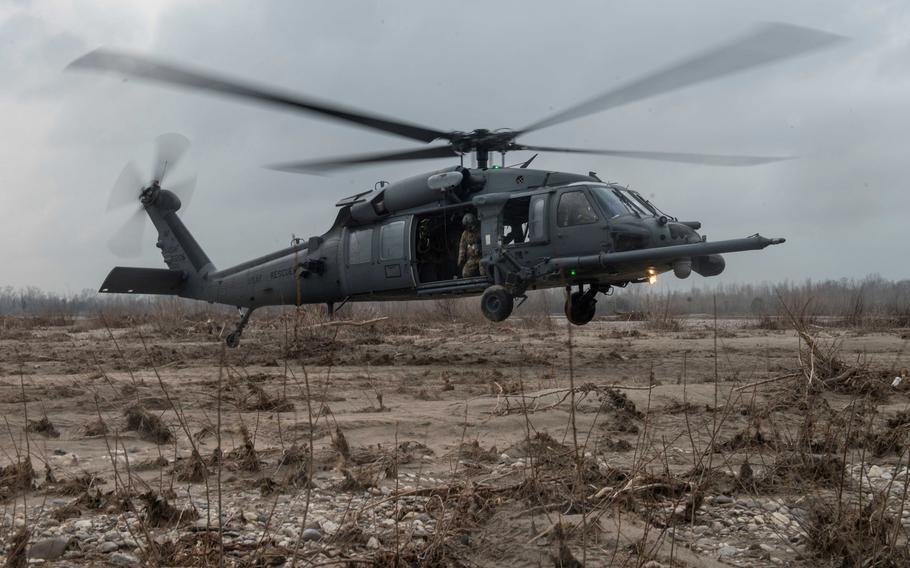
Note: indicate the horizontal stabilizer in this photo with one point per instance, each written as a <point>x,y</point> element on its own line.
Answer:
<point>127,280</point>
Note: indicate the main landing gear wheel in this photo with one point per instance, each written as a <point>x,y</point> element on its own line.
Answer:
<point>496,303</point>
<point>580,307</point>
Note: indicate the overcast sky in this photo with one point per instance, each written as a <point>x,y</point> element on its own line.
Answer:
<point>842,206</point>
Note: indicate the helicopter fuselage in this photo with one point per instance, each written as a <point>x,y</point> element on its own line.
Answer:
<point>538,229</point>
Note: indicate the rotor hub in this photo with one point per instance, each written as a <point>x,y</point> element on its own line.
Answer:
<point>482,139</point>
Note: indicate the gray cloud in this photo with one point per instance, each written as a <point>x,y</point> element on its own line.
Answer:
<point>453,66</point>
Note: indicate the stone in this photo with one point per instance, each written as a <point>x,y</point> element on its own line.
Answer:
<point>108,546</point>
<point>770,506</point>
<point>123,559</point>
<point>725,551</point>
<point>373,543</point>
<point>723,500</point>
<point>49,548</point>
<point>330,527</point>
<point>83,525</point>
<point>780,518</point>
<point>311,535</point>
<point>875,471</point>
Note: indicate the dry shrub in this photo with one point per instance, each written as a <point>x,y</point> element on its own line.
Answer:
<point>16,477</point>
<point>410,450</point>
<point>16,556</point>
<point>340,444</point>
<point>356,479</point>
<point>190,549</point>
<point>295,455</point>
<point>91,498</point>
<point>796,468</point>
<point>158,512</point>
<point>543,449</point>
<point>193,469</point>
<point>893,438</point>
<point>297,478</point>
<point>44,427</point>
<point>246,455</point>
<point>745,440</point>
<point>474,452</point>
<point>855,536</point>
<point>471,508</point>
<point>563,557</point>
<point>614,399</point>
<point>662,314</point>
<point>607,444</point>
<point>263,401</point>
<point>652,488</point>
<point>150,464</point>
<point>824,369</point>
<point>149,426</point>
<point>96,427</point>
<point>79,484</point>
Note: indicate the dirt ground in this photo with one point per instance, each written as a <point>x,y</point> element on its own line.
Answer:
<point>454,444</point>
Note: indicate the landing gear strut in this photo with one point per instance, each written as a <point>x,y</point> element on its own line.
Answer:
<point>581,305</point>
<point>233,338</point>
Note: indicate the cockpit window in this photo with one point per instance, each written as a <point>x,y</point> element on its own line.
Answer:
<point>574,209</point>
<point>613,206</point>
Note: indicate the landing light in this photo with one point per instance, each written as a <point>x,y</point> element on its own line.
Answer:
<point>652,279</point>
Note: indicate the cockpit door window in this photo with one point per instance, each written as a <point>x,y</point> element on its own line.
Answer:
<point>574,209</point>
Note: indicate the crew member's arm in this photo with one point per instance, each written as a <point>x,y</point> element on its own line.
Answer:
<point>463,249</point>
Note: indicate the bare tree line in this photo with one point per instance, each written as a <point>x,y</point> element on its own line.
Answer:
<point>852,301</point>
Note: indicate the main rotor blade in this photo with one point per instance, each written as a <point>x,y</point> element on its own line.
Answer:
<point>317,166</point>
<point>127,240</point>
<point>152,70</point>
<point>169,148</point>
<point>681,157</point>
<point>766,44</point>
<point>127,188</point>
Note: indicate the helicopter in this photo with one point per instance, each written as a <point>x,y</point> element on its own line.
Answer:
<point>536,228</point>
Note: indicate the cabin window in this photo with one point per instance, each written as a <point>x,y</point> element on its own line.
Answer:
<point>515,221</point>
<point>537,214</point>
<point>391,241</point>
<point>574,209</point>
<point>360,245</point>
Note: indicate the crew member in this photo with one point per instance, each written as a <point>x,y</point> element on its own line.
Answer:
<point>469,248</point>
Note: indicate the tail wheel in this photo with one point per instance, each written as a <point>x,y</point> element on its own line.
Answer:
<point>496,303</point>
<point>580,308</point>
<point>232,340</point>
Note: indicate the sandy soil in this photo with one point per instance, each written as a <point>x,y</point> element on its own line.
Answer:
<point>451,444</point>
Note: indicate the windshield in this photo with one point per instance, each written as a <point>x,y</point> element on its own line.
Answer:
<point>611,202</point>
<point>644,202</point>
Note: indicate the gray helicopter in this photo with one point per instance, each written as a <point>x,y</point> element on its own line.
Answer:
<point>532,229</point>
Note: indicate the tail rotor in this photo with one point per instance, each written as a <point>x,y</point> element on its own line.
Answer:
<point>130,189</point>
